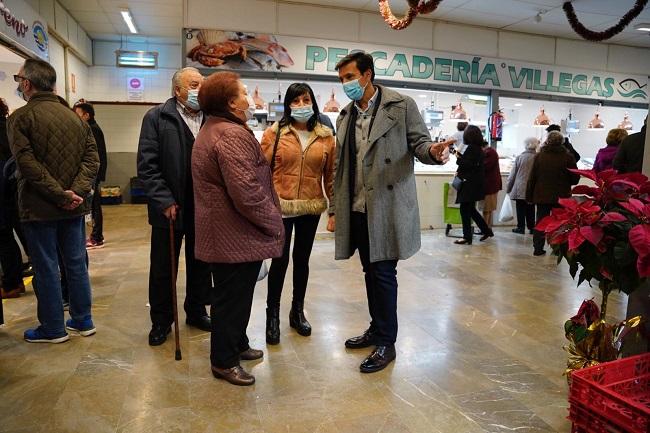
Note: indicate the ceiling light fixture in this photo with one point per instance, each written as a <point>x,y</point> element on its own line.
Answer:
<point>128,19</point>
<point>644,27</point>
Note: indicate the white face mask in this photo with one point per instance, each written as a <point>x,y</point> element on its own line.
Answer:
<point>250,111</point>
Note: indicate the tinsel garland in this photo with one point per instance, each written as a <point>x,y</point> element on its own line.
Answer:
<point>415,7</point>
<point>590,35</point>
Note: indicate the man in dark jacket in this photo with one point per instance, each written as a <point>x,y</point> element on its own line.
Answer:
<point>57,163</point>
<point>629,157</point>
<point>87,113</point>
<point>164,166</point>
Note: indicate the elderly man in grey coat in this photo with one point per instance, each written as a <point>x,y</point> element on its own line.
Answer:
<point>375,201</point>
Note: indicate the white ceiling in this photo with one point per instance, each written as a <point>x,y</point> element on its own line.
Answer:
<point>162,20</point>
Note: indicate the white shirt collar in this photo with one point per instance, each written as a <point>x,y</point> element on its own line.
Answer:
<point>371,102</point>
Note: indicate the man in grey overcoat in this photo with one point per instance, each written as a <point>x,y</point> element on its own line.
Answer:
<point>375,204</point>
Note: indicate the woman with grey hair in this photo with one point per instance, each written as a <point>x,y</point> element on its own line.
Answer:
<point>516,187</point>
<point>550,180</point>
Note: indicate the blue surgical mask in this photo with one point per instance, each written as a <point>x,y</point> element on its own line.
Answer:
<point>353,90</point>
<point>302,114</point>
<point>193,99</point>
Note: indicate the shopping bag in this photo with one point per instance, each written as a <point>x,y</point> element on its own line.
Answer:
<point>457,183</point>
<point>264,271</point>
<point>505,214</point>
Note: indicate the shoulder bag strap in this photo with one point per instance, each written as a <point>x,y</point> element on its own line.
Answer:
<point>275,148</point>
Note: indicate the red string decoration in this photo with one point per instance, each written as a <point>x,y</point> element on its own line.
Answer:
<point>590,35</point>
<point>415,7</point>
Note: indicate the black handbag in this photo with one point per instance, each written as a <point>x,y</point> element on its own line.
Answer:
<point>457,183</point>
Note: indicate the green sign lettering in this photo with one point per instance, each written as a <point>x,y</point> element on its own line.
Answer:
<point>460,71</point>
<point>400,64</point>
<point>442,69</point>
<point>315,54</point>
<point>334,55</point>
<point>418,63</point>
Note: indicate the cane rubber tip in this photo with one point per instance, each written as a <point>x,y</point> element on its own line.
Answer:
<point>178,355</point>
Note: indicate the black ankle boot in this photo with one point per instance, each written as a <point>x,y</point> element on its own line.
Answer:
<point>297,319</point>
<point>273,325</point>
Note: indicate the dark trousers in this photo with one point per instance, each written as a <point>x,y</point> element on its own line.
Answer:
<point>198,278</point>
<point>543,210</point>
<point>232,300</point>
<point>11,259</point>
<point>381,284</point>
<point>97,234</point>
<point>303,241</point>
<point>525,214</point>
<point>468,213</point>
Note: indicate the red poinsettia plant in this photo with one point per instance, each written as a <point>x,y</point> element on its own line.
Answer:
<point>603,231</point>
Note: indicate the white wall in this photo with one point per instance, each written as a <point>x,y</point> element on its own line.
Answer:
<point>80,71</point>
<point>9,65</point>
<point>338,24</point>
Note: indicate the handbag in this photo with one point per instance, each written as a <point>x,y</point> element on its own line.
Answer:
<point>264,271</point>
<point>457,182</point>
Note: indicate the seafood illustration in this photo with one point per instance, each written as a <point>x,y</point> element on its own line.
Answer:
<point>236,50</point>
<point>631,88</point>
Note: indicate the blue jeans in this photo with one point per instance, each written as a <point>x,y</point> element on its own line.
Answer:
<point>69,236</point>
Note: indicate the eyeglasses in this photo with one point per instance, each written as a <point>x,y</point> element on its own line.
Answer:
<point>18,78</point>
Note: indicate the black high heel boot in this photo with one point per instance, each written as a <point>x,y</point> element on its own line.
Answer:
<point>297,319</point>
<point>273,325</point>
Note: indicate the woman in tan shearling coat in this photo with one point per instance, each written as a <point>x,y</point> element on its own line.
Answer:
<point>302,161</point>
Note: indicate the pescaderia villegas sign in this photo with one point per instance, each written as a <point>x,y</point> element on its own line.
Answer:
<point>261,52</point>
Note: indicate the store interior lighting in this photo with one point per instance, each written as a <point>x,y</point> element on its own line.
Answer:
<point>137,59</point>
<point>128,19</point>
<point>643,27</point>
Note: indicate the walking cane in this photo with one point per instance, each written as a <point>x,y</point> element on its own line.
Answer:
<point>172,253</point>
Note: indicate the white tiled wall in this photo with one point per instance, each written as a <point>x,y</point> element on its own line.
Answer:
<point>121,125</point>
<point>108,83</point>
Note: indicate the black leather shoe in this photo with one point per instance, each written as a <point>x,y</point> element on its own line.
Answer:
<point>539,253</point>
<point>273,325</point>
<point>202,322</point>
<point>378,359</point>
<point>158,334</point>
<point>236,375</point>
<point>486,236</point>
<point>360,342</point>
<point>251,354</point>
<point>518,231</point>
<point>297,319</point>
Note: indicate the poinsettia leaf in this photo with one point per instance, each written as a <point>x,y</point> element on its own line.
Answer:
<point>611,217</point>
<point>585,190</point>
<point>541,226</point>
<point>643,266</point>
<point>573,269</point>
<point>582,277</point>
<point>635,206</point>
<point>575,239</point>
<point>640,239</point>
<point>568,203</point>
<point>592,233</point>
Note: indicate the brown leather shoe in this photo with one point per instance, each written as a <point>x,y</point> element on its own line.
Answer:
<point>236,375</point>
<point>251,354</point>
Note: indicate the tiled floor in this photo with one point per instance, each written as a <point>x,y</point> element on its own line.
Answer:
<point>479,349</point>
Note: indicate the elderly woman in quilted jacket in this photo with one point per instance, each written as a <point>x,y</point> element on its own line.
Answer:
<point>301,153</point>
<point>238,221</point>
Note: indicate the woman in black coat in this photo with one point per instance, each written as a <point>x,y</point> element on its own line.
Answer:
<point>472,172</point>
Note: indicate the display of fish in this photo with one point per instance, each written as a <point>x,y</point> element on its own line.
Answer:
<point>267,44</point>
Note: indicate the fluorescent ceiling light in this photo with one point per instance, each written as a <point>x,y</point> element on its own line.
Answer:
<point>477,98</point>
<point>137,59</point>
<point>518,104</point>
<point>128,19</point>
<point>644,27</point>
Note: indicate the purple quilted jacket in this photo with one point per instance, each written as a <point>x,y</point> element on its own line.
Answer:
<point>605,158</point>
<point>237,211</point>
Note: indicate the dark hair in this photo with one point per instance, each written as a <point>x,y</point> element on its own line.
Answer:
<point>554,138</point>
<point>4,109</point>
<point>295,90</point>
<point>553,127</point>
<point>461,126</point>
<point>41,74</point>
<point>364,61</point>
<point>86,108</point>
<point>62,101</point>
<point>473,135</point>
<point>216,92</point>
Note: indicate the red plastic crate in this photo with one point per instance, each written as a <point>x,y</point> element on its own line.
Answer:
<point>613,396</point>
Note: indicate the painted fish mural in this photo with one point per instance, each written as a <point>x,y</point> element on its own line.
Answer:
<point>631,88</point>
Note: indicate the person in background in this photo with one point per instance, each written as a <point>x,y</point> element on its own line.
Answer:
<point>87,113</point>
<point>164,166</point>
<point>605,156</point>
<point>457,136</point>
<point>550,180</point>
<point>375,202</point>
<point>238,220</point>
<point>567,144</point>
<point>493,182</point>
<point>516,188</point>
<point>629,156</point>
<point>471,170</point>
<point>57,164</point>
<point>302,159</point>
<point>10,255</point>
